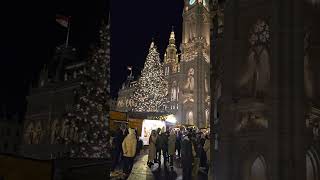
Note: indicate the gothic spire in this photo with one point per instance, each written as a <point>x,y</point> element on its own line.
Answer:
<point>172,39</point>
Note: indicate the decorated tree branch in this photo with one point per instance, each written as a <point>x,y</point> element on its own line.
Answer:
<point>90,114</point>
<point>152,88</point>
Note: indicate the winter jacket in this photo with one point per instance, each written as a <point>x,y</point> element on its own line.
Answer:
<point>172,144</point>
<point>162,141</point>
<point>129,144</point>
<point>186,152</point>
<point>152,148</point>
<point>207,149</point>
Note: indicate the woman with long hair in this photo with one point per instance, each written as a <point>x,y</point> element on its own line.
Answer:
<point>152,148</point>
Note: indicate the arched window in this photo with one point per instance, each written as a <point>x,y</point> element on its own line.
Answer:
<point>257,68</point>
<point>64,130</point>
<point>29,134</point>
<point>38,133</point>
<point>173,94</point>
<point>54,131</point>
<point>258,169</point>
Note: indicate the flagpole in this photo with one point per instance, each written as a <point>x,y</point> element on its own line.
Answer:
<point>67,40</point>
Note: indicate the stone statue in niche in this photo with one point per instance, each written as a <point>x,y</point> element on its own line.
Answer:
<point>188,98</point>
<point>189,117</point>
<point>252,120</point>
<point>190,80</point>
<point>256,77</point>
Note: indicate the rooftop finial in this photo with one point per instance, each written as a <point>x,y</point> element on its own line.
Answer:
<point>152,43</point>
<point>172,37</point>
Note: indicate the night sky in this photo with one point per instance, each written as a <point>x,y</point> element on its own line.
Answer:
<point>133,24</point>
<point>29,35</point>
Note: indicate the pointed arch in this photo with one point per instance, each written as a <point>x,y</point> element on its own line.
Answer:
<point>38,133</point>
<point>258,169</point>
<point>255,168</point>
<point>256,74</point>
<point>312,165</point>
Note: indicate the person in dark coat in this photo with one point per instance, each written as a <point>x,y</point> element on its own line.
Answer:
<point>162,147</point>
<point>178,143</point>
<point>203,158</point>
<point>186,157</point>
<point>116,147</point>
<point>158,147</point>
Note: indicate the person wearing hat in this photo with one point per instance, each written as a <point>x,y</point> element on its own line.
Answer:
<point>129,147</point>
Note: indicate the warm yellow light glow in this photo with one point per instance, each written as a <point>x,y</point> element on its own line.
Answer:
<point>171,119</point>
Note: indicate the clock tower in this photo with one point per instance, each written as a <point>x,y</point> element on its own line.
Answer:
<point>195,67</point>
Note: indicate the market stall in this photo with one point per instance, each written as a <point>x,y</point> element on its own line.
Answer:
<point>149,125</point>
<point>117,119</point>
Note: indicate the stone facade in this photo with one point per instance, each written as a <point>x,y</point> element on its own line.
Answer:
<point>266,111</point>
<point>195,65</point>
<point>48,103</point>
<point>51,100</point>
<point>10,134</point>
<point>188,75</point>
<point>124,101</point>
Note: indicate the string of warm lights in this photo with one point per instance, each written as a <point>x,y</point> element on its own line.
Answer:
<point>152,88</point>
<point>90,113</point>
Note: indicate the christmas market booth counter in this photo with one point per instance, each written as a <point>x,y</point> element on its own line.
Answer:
<point>146,122</point>
<point>117,119</point>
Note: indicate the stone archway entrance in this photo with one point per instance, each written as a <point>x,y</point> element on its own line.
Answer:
<point>255,168</point>
<point>312,165</point>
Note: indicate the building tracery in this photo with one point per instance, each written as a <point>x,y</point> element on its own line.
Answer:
<point>257,68</point>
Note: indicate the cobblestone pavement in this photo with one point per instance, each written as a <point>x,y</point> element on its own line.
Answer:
<point>141,171</point>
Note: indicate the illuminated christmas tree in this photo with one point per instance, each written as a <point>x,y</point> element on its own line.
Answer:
<point>152,88</point>
<point>90,114</point>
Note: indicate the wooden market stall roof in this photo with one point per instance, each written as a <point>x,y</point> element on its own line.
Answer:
<point>146,115</point>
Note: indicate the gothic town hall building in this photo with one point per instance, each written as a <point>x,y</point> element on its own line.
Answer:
<point>188,74</point>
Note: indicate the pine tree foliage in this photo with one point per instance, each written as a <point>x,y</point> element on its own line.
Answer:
<point>89,117</point>
<point>152,88</point>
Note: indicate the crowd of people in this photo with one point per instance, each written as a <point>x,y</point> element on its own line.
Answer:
<point>184,148</point>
